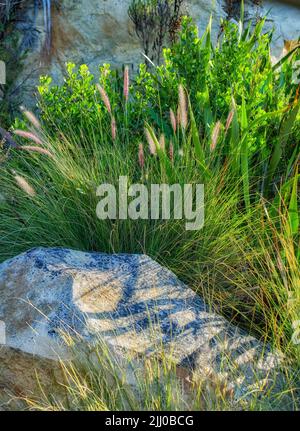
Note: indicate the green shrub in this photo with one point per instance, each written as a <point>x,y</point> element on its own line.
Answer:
<point>235,75</point>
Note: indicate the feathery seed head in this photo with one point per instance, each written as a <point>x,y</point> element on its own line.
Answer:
<point>28,135</point>
<point>104,97</point>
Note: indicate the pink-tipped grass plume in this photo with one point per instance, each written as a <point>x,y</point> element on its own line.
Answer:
<point>141,156</point>
<point>31,117</point>
<point>113,128</point>
<point>104,98</point>
<point>34,149</point>
<point>229,120</point>
<point>183,107</point>
<point>162,142</point>
<point>215,135</point>
<point>24,185</point>
<point>171,152</point>
<point>126,83</point>
<point>151,143</point>
<point>173,120</point>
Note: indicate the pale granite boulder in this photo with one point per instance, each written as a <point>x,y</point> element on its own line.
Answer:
<point>130,302</point>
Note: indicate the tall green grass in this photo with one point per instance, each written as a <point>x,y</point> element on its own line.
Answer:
<point>223,116</point>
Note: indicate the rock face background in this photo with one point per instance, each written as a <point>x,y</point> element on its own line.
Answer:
<point>98,31</point>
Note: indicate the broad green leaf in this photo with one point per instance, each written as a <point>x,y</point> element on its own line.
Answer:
<point>244,119</point>
<point>208,33</point>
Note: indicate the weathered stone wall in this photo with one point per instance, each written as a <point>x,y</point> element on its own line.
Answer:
<point>98,31</point>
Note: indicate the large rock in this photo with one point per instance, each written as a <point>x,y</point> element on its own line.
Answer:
<point>128,301</point>
<point>99,31</point>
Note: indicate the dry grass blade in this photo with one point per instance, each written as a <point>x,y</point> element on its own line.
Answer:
<point>31,118</point>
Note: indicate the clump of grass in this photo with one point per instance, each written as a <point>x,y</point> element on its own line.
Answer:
<point>235,132</point>
<point>102,378</point>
